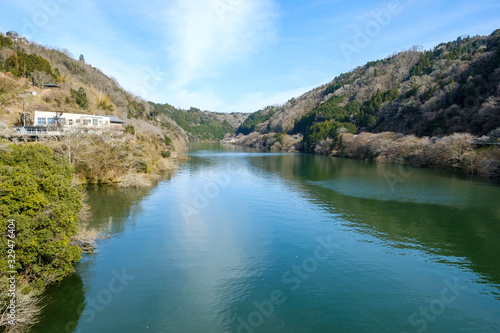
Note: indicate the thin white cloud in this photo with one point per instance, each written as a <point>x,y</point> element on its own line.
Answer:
<point>257,101</point>
<point>251,102</point>
<point>205,36</point>
<point>205,100</point>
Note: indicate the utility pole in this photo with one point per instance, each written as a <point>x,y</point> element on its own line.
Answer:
<point>24,115</point>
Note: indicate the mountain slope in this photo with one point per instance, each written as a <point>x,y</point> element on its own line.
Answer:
<point>439,109</point>
<point>452,88</point>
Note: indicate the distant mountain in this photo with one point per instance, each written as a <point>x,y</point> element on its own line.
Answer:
<point>202,125</point>
<point>451,88</point>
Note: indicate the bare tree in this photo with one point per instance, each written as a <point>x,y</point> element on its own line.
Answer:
<point>70,145</point>
<point>40,78</point>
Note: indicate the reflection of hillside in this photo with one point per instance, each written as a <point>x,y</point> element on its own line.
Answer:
<point>461,225</point>
<point>63,306</point>
<point>217,147</point>
<point>111,206</point>
<point>207,156</point>
<point>64,302</point>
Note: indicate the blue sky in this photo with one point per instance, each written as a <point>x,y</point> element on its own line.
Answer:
<point>239,55</point>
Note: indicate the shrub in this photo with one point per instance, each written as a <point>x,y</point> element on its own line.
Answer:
<point>129,129</point>
<point>490,164</point>
<point>250,124</point>
<point>326,129</point>
<point>80,97</point>
<point>36,193</point>
<point>142,167</point>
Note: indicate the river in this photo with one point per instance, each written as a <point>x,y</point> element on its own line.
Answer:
<point>238,240</point>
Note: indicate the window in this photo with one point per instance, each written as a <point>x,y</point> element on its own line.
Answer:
<point>95,122</point>
<point>78,121</point>
<point>51,121</point>
<point>70,122</point>
<point>41,121</point>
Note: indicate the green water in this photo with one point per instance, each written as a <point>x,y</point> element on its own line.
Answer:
<point>242,241</point>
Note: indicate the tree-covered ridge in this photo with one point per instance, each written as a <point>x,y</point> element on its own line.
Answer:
<point>19,63</point>
<point>200,125</point>
<point>256,118</point>
<point>325,120</point>
<point>459,75</point>
<point>451,88</point>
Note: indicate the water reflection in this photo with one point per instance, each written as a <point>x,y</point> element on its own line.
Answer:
<point>110,210</point>
<point>111,206</point>
<point>452,218</point>
<point>63,306</point>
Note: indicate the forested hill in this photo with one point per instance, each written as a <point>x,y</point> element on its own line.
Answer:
<point>151,142</point>
<point>202,125</point>
<point>452,88</point>
<point>26,67</point>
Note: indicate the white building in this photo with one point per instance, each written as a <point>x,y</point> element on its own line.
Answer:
<point>66,121</point>
<point>48,123</point>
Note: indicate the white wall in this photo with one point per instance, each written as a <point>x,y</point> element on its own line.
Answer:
<point>69,120</point>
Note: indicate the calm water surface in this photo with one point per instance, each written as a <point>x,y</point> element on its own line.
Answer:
<point>242,241</point>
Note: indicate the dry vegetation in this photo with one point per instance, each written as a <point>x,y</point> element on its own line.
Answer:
<point>132,160</point>
<point>271,141</point>
<point>455,152</point>
<point>28,310</point>
<point>461,152</point>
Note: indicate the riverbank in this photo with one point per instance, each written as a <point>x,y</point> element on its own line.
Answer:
<point>460,152</point>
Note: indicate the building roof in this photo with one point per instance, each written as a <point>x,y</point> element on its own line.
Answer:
<point>114,119</point>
